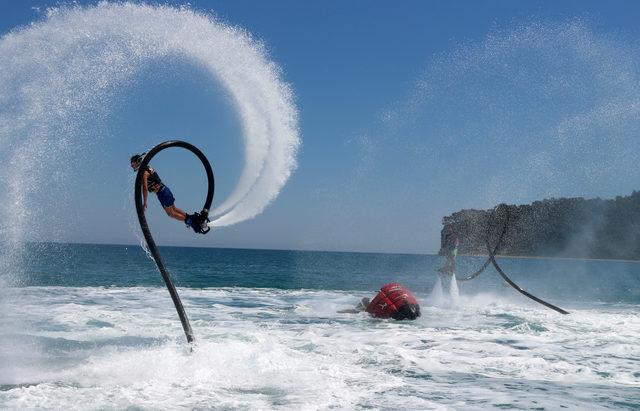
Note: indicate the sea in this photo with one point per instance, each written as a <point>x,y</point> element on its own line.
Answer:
<point>93,327</point>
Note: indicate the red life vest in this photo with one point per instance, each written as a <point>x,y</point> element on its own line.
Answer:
<point>394,301</point>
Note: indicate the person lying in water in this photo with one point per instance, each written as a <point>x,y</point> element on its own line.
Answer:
<point>392,301</point>
<point>362,306</point>
<point>151,182</point>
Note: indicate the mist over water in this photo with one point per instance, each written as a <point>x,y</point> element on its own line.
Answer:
<point>534,111</point>
<point>61,73</point>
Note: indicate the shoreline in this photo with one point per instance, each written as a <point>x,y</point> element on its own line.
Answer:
<point>532,257</point>
<point>135,245</point>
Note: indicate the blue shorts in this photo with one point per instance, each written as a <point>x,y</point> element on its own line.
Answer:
<point>166,197</point>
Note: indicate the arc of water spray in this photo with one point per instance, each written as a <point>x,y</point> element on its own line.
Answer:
<point>78,59</point>
<point>151,245</point>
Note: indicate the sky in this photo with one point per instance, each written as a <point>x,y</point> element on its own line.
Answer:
<point>408,111</point>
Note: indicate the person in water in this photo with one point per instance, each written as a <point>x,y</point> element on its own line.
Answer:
<point>392,301</point>
<point>451,243</point>
<point>151,182</point>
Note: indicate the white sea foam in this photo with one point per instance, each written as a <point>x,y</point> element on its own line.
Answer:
<point>92,348</point>
<point>58,73</point>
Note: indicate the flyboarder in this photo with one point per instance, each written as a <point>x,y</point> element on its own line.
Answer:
<point>152,182</point>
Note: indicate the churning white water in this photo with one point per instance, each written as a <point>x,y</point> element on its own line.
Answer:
<point>57,72</point>
<point>116,348</point>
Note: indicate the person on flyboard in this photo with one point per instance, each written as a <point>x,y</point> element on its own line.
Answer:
<point>151,182</point>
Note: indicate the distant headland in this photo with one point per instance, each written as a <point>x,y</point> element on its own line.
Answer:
<point>556,227</point>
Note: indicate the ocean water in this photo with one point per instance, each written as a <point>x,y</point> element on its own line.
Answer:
<point>92,327</point>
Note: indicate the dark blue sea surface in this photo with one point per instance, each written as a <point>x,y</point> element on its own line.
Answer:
<point>81,265</point>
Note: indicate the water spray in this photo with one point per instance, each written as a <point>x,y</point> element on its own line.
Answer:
<point>63,76</point>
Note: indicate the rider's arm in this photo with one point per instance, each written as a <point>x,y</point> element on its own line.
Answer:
<point>349,311</point>
<point>145,188</point>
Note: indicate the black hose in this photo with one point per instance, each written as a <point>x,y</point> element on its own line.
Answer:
<point>151,245</point>
<point>491,253</point>
<point>520,290</point>
<point>505,277</point>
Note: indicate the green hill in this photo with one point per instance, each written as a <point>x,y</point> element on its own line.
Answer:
<point>556,227</point>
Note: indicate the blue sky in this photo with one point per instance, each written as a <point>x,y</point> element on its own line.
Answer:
<point>408,111</point>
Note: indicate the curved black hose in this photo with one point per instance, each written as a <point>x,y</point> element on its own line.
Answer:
<point>520,290</point>
<point>491,253</point>
<point>506,278</point>
<point>151,245</point>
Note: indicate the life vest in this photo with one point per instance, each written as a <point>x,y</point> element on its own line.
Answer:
<point>394,301</point>
<point>154,183</point>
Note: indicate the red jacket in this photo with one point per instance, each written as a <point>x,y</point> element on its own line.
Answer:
<point>395,301</point>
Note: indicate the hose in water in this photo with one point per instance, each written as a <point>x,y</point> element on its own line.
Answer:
<point>505,277</point>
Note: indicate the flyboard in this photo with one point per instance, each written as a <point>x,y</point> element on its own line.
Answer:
<point>492,260</point>
<point>144,226</point>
